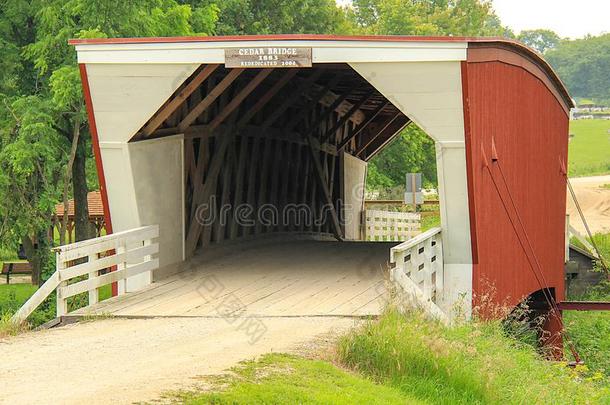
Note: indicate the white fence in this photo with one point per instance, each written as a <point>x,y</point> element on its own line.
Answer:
<point>84,267</point>
<point>391,226</point>
<point>418,271</point>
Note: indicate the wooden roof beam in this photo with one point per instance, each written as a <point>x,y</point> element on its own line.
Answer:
<point>239,98</point>
<point>363,125</point>
<point>376,143</point>
<point>346,117</point>
<point>298,93</point>
<point>262,102</point>
<point>209,99</point>
<point>171,106</point>
<point>343,107</point>
<point>315,100</point>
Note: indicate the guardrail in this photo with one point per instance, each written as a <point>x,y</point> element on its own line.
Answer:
<point>81,267</point>
<point>391,225</point>
<point>418,271</point>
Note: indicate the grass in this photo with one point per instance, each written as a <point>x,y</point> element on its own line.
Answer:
<point>402,359</point>
<point>430,221</point>
<point>281,378</point>
<point>589,150</point>
<point>12,297</point>
<point>590,330</point>
<point>17,293</point>
<point>8,328</point>
<point>468,364</point>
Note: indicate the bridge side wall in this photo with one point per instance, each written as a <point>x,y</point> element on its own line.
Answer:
<point>508,103</point>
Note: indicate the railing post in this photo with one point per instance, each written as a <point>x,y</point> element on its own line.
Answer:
<point>439,267</point>
<point>62,303</point>
<point>429,268</point>
<point>147,258</point>
<point>122,284</point>
<point>94,296</point>
<point>399,261</point>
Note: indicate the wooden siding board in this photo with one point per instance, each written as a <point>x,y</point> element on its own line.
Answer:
<point>530,131</point>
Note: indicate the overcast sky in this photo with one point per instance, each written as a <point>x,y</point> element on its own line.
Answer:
<point>568,18</point>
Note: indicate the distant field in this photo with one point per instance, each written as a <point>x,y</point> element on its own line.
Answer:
<point>589,150</point>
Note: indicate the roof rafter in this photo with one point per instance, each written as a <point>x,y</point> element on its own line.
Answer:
<point>363,125</point>
<point>209,99</point>
<point>170,107</point>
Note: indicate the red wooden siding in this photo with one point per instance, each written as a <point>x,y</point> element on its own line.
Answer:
<point>529,127</point>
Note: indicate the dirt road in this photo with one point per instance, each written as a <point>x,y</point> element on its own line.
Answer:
<point>594,201</point>
<point>119,361</point>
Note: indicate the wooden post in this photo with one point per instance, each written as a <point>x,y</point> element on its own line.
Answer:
<point>323,187</point>
<point>62,303</point>
<point>94,293</point>
<point>122,284</point>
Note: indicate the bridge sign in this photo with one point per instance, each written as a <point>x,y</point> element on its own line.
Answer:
<point>268,57</point>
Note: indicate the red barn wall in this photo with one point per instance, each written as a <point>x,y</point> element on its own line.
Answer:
<point>510,99</point>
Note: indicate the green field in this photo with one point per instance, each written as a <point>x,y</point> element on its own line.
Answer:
<point>589,148</point>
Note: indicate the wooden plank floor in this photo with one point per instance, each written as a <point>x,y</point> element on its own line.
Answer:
<point>290,278</point>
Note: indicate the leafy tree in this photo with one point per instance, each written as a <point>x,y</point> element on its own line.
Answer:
<point>31,163</point>
<point>426,17</point>
<point>45,136</point>
<point>411,152</point>
<point>240,17</point>
<point>540,39</point>
<point>583,66</point>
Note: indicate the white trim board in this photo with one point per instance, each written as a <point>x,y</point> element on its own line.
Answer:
<point>322,51</point>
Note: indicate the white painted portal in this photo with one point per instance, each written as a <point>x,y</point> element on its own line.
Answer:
<point>430,94</point>
<point>130,82</point>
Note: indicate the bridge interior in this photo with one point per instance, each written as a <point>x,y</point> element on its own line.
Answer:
<point>265,149</point>
<point>265,278</point>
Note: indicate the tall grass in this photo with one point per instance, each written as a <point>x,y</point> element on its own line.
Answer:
<point>467,364</point>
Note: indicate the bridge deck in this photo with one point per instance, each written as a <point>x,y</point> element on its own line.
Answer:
<point>289,278</point>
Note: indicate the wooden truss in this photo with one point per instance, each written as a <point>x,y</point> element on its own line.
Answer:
<point>262,147</point>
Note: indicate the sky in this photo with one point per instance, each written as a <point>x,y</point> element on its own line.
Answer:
<point>568,18</point>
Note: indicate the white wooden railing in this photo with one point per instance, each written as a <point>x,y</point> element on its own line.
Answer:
<point>391,225</point>
<point>85,266</point>
<point>418,271</point>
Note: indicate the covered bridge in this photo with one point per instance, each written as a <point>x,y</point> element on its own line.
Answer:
<point>226,140</point>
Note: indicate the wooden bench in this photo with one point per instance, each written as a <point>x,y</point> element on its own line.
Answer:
<point>13,267</point>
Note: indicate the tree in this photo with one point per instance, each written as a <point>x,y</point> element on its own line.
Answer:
<point>241,17</point>
<point>411,152</point>
<point>45,135</point>
<point>31,163</point>
<point>583,66</point>
<point>540,39</point>
<point>426,17</point>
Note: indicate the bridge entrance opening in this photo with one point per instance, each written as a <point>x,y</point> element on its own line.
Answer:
<point>274,151</point>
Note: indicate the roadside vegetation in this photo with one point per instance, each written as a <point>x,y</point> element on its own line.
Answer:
<point>13,296</point>
<point>590,330</point>
<point>402,359</point>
